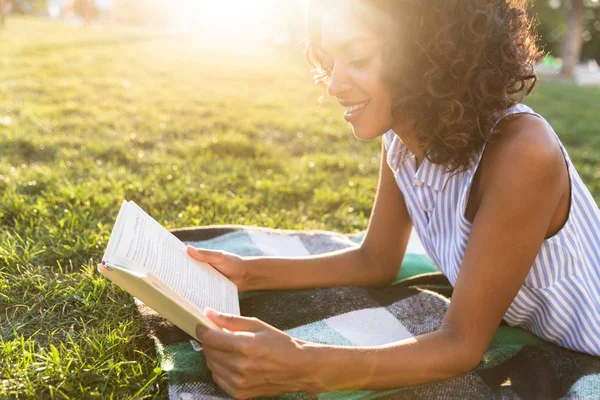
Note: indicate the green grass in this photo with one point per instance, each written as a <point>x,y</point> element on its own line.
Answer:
<point>194,135</point>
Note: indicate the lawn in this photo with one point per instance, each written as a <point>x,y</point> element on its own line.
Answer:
<point>194,134</point>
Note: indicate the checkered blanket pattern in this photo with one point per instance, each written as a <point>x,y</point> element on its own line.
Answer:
<point>517,365</point>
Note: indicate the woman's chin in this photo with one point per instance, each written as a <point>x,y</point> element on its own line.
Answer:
<point>365,134</point>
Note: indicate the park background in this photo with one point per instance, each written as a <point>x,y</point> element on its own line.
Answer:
<point>203,113</point>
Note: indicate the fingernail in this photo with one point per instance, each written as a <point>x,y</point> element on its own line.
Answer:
<point>212,310</point>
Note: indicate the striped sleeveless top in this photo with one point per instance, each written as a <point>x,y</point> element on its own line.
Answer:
<point>560,298</point>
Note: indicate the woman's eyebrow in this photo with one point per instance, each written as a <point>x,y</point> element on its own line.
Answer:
<point>345,46</point>
<point>359,39</point>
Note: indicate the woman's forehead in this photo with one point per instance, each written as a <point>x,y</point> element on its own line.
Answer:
<point>344,24</point>
<point>341,28</point>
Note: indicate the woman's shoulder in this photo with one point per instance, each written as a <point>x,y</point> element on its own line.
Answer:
<point>525,140</point>
<point>524,157</point>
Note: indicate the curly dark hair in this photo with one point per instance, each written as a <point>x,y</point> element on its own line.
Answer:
<point>467,60</point>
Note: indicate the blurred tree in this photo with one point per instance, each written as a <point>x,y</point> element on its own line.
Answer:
<point>86,9</point>
<point>591,34</point>
<point>29,6</point>
<point>573,39</point>
<point>553,25</point>
<point>2,11</point>
<point>146,12</point>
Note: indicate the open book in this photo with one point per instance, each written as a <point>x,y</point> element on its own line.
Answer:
<point>149,262</point>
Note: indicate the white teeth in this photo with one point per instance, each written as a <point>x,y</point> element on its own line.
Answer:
<point>356,107</point>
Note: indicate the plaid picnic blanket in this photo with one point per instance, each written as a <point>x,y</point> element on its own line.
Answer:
<point>517,365</point>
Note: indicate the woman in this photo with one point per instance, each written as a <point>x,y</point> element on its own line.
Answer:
<point>484,181</point>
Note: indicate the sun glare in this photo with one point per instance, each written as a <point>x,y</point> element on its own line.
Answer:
<point>240,19</point>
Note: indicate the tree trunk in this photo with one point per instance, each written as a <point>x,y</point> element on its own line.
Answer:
<point>87,11</point>
<point>2,16</point>
<point>573,38</point>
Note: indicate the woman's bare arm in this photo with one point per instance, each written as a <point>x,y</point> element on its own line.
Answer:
<point>375,262</point>
<point>520,196</point>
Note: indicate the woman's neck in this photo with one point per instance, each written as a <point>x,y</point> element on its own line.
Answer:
<point>405,133</point>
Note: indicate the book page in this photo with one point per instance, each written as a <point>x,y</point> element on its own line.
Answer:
<point>116,232</point>
<point>148,244</point>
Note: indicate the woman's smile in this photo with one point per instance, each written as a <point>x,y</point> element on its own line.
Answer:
<point>354,110</point>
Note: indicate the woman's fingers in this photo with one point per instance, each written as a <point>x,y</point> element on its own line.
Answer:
<point>233,383</point>
<point>221,375</point>
<point>232,362</point>
<point>235,323</point>
<point>208,256</point>
<point>225,341</point>
<point>219,356</point>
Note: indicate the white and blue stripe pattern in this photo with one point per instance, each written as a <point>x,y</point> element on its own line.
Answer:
<point>560,298</point>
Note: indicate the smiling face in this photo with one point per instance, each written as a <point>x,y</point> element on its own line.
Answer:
<point>354,58</point>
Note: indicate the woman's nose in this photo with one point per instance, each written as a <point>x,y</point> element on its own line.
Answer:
<point>338,82</point>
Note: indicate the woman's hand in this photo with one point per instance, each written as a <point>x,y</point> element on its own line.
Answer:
<point>231,265</point>
<point>250,358</point>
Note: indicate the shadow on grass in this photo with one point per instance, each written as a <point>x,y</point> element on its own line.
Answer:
<point>19,150</point>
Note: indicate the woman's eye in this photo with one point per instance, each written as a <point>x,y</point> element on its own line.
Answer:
<point>360,62</point>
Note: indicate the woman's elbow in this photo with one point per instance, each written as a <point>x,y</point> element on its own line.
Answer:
<point>468,363</point>
<point>466,357</point>
<point>381,273</point>
<point>387,278</point>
